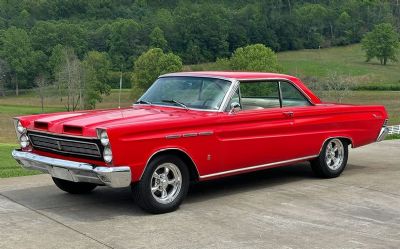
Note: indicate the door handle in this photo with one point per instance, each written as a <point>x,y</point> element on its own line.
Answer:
<point>289,114</point>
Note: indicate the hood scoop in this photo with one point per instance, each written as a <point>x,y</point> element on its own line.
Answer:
<point>41,125</point>
<point>72,129</point>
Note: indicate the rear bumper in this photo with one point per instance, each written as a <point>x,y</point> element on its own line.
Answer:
<point>115,177</point>
<point>382,134</point>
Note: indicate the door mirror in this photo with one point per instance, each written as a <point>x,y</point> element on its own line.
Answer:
<point>235,107</point>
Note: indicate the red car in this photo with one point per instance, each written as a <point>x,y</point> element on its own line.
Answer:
<point>196,126</point>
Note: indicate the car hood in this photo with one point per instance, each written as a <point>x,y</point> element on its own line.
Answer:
<point>84,123</point>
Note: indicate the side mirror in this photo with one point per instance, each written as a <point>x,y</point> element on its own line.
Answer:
<point>235,106</point>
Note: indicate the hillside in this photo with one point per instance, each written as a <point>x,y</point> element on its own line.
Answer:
<point>347,60</point>
<point>318,63</point>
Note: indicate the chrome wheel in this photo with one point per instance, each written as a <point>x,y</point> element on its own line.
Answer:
<point>334,154</point>
<point>166,183</point>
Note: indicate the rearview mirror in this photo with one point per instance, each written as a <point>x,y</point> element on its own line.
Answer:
<point>235,106</point>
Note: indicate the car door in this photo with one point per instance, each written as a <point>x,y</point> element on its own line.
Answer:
<point>258,134</point>
<point>309,121</point>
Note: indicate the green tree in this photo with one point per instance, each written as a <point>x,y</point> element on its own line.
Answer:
<point>39,63</point>
<point>56,59</point>
<point>157,39</point>
<point>124,42</point>
<point>313,19</point>
<point>16,49</point>
<point>150,65</point>
<point>96,66</point>
<point>4,70</point>
<point>23,19</point>
<point>255,57</point>
<point>201,32</point>
<point>46,35</point>
<point>382,42</point>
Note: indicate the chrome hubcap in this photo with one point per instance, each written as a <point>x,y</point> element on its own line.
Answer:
<point>334,154</point>
<point>166,183</point>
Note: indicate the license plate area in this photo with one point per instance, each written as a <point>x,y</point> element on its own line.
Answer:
<point>61,173</point>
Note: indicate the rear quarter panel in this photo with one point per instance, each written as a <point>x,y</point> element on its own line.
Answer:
<point>316,124</point>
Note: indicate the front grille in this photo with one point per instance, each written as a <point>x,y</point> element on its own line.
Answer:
<point>88,148</point>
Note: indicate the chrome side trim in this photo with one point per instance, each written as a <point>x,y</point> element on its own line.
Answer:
<point>206,133</point>
<point>115,177</point>
<point>190,135</point>
<point>167,149</point>
<point>262,166</point>
<point>173,136</point>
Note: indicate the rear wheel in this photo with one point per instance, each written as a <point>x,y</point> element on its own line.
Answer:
<point>74,187</point>
<point>163,186</point>
<point>332,160</point>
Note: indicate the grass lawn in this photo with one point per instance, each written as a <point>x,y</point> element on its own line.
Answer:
<point>8,166</point>
<point>392,137</point>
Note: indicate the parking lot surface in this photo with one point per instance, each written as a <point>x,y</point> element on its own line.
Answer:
<point>278,208</point>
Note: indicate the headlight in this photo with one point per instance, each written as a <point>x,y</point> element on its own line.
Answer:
<point>24,141</point>
<point>20,128</point>
<point>104,138</point>
<point>107,155</point>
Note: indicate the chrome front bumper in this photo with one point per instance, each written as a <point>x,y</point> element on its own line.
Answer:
<point>115,177</point>
<point>382,134</point>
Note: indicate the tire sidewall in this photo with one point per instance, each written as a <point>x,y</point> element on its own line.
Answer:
<point>145,184</point>
<point>328,171</point>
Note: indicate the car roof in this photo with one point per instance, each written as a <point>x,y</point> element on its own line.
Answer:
<point>232,75</point>
<point>249,76</point>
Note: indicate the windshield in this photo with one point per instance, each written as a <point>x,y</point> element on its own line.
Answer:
<point>187,92</point>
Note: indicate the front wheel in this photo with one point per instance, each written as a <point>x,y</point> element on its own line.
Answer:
<point>332,159</point>
<point>74,187</point>
<point>163,186</point>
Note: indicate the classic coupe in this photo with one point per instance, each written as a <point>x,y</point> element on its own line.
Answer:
<point>196,126</point>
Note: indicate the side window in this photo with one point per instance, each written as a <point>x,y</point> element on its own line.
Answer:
<point>212,93</point>
<point>291,96</point>
<point>259,95</point>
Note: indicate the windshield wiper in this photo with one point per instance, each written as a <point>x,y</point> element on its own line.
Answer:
<point>143,102</point>
<point>175,102</point>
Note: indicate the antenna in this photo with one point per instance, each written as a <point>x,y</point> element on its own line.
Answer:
<point>120,90</point>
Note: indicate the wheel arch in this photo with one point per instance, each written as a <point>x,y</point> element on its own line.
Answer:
<point>193,172</point>
<point>349,141</point>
